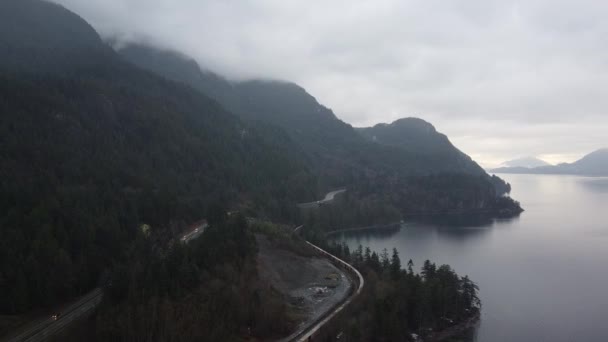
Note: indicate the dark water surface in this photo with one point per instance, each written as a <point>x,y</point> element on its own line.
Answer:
<point>543,276</point>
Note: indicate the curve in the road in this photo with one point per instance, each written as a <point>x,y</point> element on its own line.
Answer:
<point>330,195</point>
<point>328,198</point>
<point>310,332</point>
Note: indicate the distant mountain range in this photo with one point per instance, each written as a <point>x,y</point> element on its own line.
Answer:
<point>593,164</point>
<point>528,162</point>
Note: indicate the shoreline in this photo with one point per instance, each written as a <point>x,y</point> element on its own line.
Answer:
<point>455,330</point>
<point>402,224</point>
<point>494,213</point>
<point>394,225</point>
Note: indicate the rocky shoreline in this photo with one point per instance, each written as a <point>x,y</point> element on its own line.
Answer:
<point>443,335</point>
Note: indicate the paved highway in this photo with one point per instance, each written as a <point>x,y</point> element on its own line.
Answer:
<point>328,198</point>
<point>307,333</point>
<point>199,229</point>
<point>330,195</point>
<point>44,329</point>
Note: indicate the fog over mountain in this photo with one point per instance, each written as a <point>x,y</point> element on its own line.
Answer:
<point>108,156</point>
<point>494,76</point>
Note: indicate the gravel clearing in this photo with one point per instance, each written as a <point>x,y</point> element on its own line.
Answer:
<point>313,284</point>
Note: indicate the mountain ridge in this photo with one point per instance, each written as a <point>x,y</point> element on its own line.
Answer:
<point>105,164</point>
<point>591,164</point>
<point>395,174</point>
<point>528,162</point>
<point>251,100</point>
<point>419,136</point>
<point>92,147</point>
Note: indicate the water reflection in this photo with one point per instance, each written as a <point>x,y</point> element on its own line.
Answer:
<point>462,220</point>
<point>451,227</point>
<point>540,274</point>
<point>461,233</point>
<point>458,227</point>
<point>367,234</point>
<point>597,185</point>
<point>470,335</point>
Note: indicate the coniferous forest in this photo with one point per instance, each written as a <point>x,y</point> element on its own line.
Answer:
<point>106,161</point>
<point>399,303</point>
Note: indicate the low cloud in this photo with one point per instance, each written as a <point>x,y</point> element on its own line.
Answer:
<point>501,78</point>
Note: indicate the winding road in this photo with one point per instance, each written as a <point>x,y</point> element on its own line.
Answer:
<point>45,328</point>
<point>307,333</point>
<point>328,198</point>
<point>313,330</point>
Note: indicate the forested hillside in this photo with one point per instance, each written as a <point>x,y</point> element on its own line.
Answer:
<point>92,147</point>
<point>418,137</point>
<point>408,166</point>
<point>399,304</point>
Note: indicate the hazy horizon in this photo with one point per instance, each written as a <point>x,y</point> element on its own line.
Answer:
<point>501,79</point>
<point>269,170</point>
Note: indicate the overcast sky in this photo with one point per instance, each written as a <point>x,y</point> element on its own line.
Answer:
<point>503,79</point>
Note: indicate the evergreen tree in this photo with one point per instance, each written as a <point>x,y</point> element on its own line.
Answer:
<point>375,262</point>
<point>428,270</point>
<point>384,260</point>
<point>359,254</point>
<point>410,267</point>
<point>395,264</point>
<point>368,254</point>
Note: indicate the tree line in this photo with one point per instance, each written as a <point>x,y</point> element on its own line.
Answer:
<point>207,289</point>
<point>398,303</point>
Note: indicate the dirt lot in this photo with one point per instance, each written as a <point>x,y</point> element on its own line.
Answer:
<point>313,284</point>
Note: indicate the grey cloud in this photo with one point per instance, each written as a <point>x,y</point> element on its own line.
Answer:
<point>501,78</point>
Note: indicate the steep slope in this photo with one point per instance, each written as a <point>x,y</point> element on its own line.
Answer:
<point>341,156</point>
<point>61,42</point>
<point>178,67</point>
<point>595,163</point>
<point>592,164</point>
<point>92,147</point>
<point>419,137</point>
<point>312,127</point>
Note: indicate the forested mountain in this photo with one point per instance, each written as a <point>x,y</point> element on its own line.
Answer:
<point>37,36</point>
<point>418,137</point>
<point>91,147</point>
<point>337,152</point>
<point>592,164</point>
<point>412,167</point>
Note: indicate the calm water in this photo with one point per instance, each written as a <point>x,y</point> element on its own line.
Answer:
<point>543,276</point>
